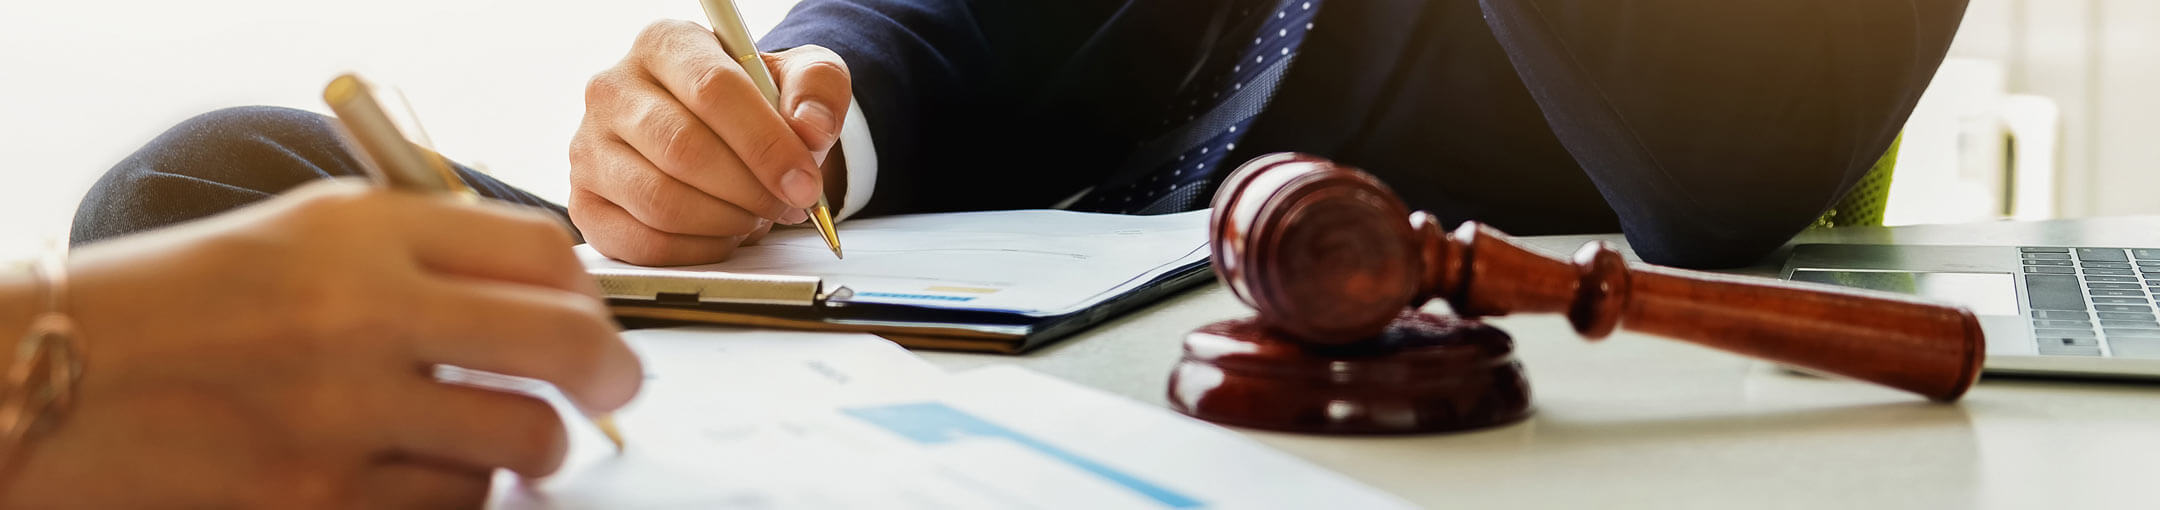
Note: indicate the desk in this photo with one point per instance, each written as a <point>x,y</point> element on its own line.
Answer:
<point>1637,421</point>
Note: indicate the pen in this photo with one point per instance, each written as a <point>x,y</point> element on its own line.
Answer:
<point>727,24</point>
<point>399,164</point>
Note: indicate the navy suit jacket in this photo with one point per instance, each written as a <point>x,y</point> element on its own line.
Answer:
<point>1709,131</point>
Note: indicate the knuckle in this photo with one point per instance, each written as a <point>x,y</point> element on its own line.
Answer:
<point>584,159</point>
<point>657,34</point>
<point>331,308</point>
<point>581,146</point>
<point>679,149</point>
<point>603,88</point>
<point>714,81</point>
<point>767,151</point>
<point>337,212</point>
<point>674,216</point>
<point>832,69</point>
<point>585,214</point>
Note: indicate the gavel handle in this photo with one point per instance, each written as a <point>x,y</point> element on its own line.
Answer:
<point>1901,342</point>
<point>1924,348</point>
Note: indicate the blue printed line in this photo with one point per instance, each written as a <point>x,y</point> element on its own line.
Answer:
<point>923,297</point>
<point>934,423</point>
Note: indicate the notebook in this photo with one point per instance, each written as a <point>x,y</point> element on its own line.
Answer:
<point>998,281</point>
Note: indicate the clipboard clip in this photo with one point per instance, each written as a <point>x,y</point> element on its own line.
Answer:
<point>669,286</point>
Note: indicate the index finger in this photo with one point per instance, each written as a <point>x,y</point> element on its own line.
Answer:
<point>688,61</point>
<point>494,241</point>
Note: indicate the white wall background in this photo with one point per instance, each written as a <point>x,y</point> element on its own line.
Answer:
<point>2100,61</point>
<point>498,82</point>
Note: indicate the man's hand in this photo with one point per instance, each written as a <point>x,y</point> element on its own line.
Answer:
<point>680,159</point>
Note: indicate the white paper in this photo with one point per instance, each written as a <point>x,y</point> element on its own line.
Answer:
<point>709,385</point>
<point>755,419</point>
<point>1143,456</point>
<point>1038,262</point>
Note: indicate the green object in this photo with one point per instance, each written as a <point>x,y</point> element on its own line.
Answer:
<point>1863,204</point>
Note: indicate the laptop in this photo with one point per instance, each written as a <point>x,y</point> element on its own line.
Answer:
<point>2047,310</point>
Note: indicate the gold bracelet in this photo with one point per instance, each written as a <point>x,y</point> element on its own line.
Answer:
<point>48,363</point>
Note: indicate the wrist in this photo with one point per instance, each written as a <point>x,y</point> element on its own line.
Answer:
<point>19,305</point>
<point>38,382</point>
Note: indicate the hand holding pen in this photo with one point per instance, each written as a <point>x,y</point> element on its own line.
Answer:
<point>395,162</point>
<point>682,156</point>
<point>279,355</point>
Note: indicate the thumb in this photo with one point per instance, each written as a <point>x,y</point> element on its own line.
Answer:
<point>814,93</point>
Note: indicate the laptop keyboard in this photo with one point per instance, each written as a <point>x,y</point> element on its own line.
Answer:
<point>2093,301</point>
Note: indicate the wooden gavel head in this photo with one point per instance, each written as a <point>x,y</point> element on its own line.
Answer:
<point>1336,267</point>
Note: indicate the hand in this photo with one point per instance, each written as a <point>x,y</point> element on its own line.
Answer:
<point>680,159</point>
<point>279,356</point>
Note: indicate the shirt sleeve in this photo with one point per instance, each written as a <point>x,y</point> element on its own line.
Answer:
<point>859,155</point>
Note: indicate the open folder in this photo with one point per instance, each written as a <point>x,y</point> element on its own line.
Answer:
<point>1001,281</point>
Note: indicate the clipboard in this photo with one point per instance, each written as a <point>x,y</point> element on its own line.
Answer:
<point>914,328</point>
<point>991,281</point>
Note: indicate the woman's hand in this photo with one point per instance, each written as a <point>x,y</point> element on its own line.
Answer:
<point>280,356</point>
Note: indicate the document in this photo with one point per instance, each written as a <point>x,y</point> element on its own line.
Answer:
<point>718,386</point>
<point>1056,444</point>
<point>757,419</point>
<point>1038,263</point>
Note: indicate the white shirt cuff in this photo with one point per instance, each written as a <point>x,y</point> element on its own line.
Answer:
<point>860,159</point>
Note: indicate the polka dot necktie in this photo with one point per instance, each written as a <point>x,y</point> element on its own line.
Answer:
<point>1173,172</point>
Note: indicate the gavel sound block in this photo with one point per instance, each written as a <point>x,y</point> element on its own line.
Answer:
<point>1324,254</point>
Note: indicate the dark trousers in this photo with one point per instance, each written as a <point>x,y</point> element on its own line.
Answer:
<point>230,158</point>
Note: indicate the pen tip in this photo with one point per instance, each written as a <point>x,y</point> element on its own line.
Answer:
<point>822,218</point>
<point>607,427</point>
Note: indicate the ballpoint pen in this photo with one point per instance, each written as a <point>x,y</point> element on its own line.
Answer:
<point>395,162</point>
<point>727,24</point>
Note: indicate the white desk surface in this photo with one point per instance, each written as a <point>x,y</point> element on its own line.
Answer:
<point>1638,421</point>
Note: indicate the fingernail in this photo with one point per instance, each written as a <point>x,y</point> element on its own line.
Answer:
<point>819,117</point>
<point>794,216</point>
<point>801,188</point>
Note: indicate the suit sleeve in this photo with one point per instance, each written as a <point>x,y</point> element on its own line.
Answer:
<point>1717,129</point>
<point>930,73</point>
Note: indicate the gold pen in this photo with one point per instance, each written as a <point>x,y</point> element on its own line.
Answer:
<point>727,24</point>
<point>396,162</point>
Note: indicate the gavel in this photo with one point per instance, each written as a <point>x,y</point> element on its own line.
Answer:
<point>1323,253</point>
